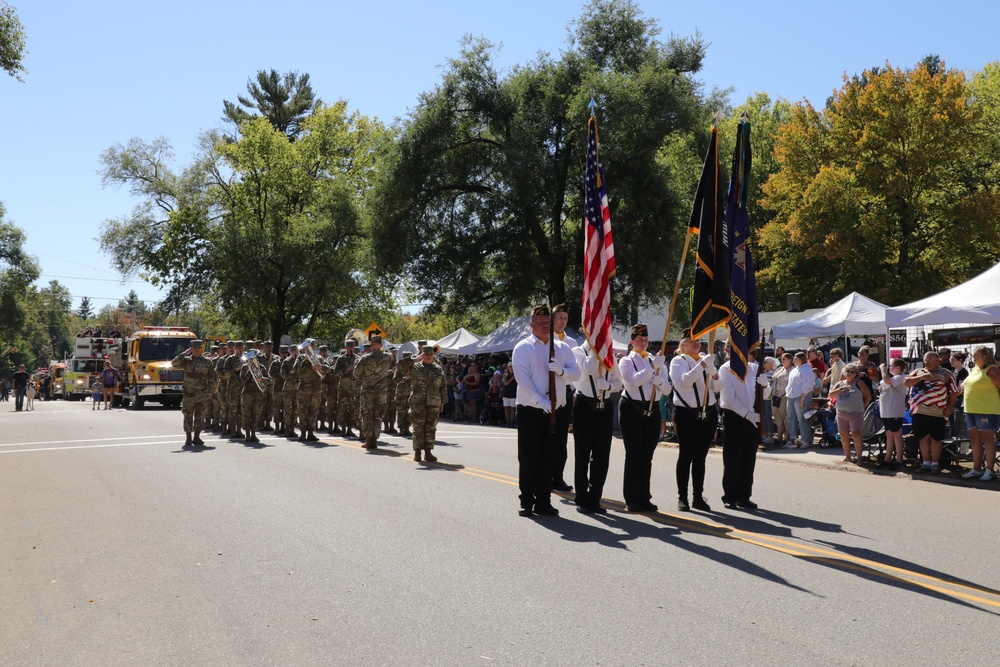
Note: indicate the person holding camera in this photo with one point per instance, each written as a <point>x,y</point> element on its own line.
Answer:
<point>853,398</point>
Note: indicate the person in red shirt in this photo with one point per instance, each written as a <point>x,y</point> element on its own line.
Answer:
<point>816,360</point>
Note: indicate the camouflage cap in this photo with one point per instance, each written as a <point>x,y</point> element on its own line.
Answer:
<point>197,343</point>
<point>427,349</point>
<point>350,342</point>
<point>376,339</point>
<point>324,348</point>
<point>214,348</point>
<point>407,355</point>
<point>237,343</point>
<point>283,348</point>
<point>269,344</point>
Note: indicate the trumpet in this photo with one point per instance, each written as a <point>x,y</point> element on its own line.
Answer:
<point>251,362</point>
<point>308,349</point>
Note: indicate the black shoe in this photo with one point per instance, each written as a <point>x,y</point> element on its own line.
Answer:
<point>636,508</point>
<point>599,509</point>
<point>546,510</point>
<point>197,441</point>
<point>187,445</point>
<point>729,504</point>
<point>699,503</point>
<point>584,509</point>
<point>561,486</point>
<point>525,511</point>
<point>746,504</point>
<point>650,507</point>
<point>682,505</point>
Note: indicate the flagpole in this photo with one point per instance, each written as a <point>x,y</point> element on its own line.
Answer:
<point>673,303</point>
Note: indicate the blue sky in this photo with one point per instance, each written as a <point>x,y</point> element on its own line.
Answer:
<point>102,72</point>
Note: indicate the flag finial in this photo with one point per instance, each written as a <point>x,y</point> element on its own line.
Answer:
<point>592,106</point>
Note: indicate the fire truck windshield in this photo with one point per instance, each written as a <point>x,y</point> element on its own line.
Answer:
<point>86,365</point>
<point>161,349</point>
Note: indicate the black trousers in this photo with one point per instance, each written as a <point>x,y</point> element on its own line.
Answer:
<point>592,429</point>
<point>535,447</point>
<point>640,432</point>
<point>739,456</point>
<point>563,418</point>
<point>695,438</point>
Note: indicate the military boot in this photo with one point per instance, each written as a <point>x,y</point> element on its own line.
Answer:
<point>372,441</point>
<point>429,457</point>
<point>304,435</point>
<point>187,441</point>
<point>237,433</point>
<point>311,437</point>
<point>252,436</point>
<point>416,455</point>
<point>197,439</point>
<point>348,433</point>
<point>336,429</point>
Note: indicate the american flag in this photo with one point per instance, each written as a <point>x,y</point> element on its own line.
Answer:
<point>598,255</point>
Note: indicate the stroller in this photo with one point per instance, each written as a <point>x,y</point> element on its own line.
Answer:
<point>826,420</point>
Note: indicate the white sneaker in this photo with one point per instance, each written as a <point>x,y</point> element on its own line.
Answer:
<point>798,442</point>
<point>768,441</point>
<point>804,445</point>
<point>972,474</point>
<point>988,475</point>
<point>791,445</point>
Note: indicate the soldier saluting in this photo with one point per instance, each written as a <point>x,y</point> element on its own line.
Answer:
<point>199,377</point>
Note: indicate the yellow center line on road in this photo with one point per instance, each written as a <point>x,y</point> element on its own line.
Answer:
<point>792,548</point>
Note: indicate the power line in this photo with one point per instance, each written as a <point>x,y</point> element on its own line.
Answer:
<point>109,280</point>
<point>69,261</point>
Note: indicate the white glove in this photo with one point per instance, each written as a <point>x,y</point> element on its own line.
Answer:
<point>556,367</point>
<point>753,418</point>
<point>657,381</point>
<point>658,360</point>
<point>709,363</point>
<point>601,384</point>
<point>762,380</point>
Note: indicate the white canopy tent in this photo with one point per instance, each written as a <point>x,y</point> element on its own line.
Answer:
<point>513,331</point>
<point>457,339</point>
<point>854,315</point>
<point>976,301</point>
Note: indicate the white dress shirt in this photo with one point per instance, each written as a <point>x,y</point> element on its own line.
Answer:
<point>591,369</point>
<point>800,381</point>
<point>531,370</point>
<point>738,396</point>
<point>637,374</point>
<point>687,376</point>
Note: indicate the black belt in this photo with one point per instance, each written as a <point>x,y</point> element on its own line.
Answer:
<point>591,402</point>
<point>531,408</point>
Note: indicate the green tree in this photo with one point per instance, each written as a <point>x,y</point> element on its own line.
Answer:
<point>285,100</point>
<point>54,305</point>
<point>18,271</point>
<point>86,309</point>
<point>482,195</point>
<point>875,193</point>
<point>260,228</point>
<point>12,50</point>
<point>132,304</point>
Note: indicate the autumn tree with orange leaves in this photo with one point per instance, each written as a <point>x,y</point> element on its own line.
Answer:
<point>890,190</point>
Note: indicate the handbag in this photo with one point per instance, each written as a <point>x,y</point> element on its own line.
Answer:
<point>776,401</point>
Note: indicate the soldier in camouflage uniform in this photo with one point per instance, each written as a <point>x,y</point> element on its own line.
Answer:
<point>372,374</point>
<point>390,396</point>
<point>199,375</point>
<point>402,378</point>
<point>266,358</point>
<point>289,390</point>
<point>310,379</point>
<point>277,384</point>
<point>347,392</point>
<point>331,384</point>
<point>428,396</point>
<point>251,397</point>
<point>222,387</point>
<point>211,413</point>
<point>234,389</point>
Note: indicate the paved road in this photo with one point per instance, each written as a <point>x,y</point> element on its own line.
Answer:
<point>119,548</point>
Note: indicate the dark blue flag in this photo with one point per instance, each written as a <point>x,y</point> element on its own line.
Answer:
<point>744,332</point>
<point>710,297</point>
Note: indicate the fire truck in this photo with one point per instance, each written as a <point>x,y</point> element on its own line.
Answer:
<point>145,365</point>
<point>84,369</point>
<point>56,371</point>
